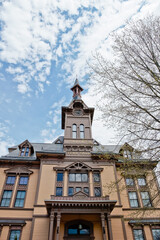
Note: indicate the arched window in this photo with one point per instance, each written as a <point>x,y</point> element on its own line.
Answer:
<point>81,131</point>
<point>74,131</point>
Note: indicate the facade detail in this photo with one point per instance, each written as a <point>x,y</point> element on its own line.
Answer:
<point>76,188</point>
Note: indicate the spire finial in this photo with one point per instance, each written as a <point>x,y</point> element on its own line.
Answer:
<point>77,89</point>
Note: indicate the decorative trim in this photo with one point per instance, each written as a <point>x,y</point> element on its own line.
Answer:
<point>18,170</point>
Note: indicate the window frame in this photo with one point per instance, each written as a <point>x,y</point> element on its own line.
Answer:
<point>74,131</point>
<point>76,174</point>
<point>25,149</point>
<point>20,180</point>
<point>6,198</point>
<point>72,191</point>
<point>20,190</point>
<point>141,185</point>
<point>21,187</point>
<point>154,228</point>
<point>99,175</point>
<point>133,199</point>
<point>128,154</point>
<point>138,229</point>
<point>146,199</point>
<point>15,228</point>
<point>100,191</point>
<point>61,191</point>
<point>81,131</point>
<point>60,178</point>
<point>130,185</point>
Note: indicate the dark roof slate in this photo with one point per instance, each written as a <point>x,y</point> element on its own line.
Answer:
<point>57,147</point>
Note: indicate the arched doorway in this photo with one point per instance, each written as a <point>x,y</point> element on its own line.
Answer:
<point>78,230</point>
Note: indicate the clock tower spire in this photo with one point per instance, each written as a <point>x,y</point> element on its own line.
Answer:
<point>76,89</point>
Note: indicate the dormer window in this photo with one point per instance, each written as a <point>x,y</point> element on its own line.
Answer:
<point>81,131</point>
<point>24,151</point>
<point>127,154</point>
<point>74,131</point>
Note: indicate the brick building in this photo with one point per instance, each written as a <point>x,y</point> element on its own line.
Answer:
<point>59,190</point>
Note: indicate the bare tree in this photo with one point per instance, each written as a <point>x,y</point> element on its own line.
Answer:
<point>130,84</point>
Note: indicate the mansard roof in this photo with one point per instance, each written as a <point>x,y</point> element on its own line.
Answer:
<point>54,147</point>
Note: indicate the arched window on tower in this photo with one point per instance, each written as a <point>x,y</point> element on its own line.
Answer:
<point>81,131</point>
<point>74,131</point>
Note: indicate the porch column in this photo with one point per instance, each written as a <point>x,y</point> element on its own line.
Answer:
<point>51,225</point>
<point>103,226</point>
<point>58,225</point>
<point>109,227</point>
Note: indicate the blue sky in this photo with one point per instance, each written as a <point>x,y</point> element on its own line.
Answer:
<point>45,45</point>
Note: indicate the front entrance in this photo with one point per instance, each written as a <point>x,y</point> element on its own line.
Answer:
<point>78,230</point>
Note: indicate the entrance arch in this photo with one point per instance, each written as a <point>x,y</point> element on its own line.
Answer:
<point>78,230</point>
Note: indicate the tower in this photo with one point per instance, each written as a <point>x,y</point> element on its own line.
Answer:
<point>77,124</point>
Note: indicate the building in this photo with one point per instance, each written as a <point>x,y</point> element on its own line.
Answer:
<point>61,191</point>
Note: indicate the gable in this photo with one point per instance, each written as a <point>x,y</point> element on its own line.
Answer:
<point>26,143</point>
<point>78,166</point>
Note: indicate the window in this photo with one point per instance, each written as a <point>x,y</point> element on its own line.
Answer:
<point>10,180</point>
<point>23,181</point>
<point>129,182</point>
<point>24,151</point>
<point>59,177</point>
<point>86,190</point>
<point>97,191</point>
<point>74,131</point>
<point>78,189</point>
<point>78,177</point>
<point>20,198</point>
<point>141,181</point>
<point>14,234</point>
<point>138,234</point>
<point>146,199</point>
<point>81,131</point>
<point>156,234</point>
<point>7,194</point>
<point>59,191</point>
<point>78,229</point>
<point>127,154</point>
<point>27,151</point>
<point>96,177</point>
<point>133,199</point>
<point>70,191</point>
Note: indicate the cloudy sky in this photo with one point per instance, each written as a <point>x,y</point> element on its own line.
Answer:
<point>44,46</point>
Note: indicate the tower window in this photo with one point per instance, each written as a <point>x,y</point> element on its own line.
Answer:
<point>81,131</point>
<point>74,131</point>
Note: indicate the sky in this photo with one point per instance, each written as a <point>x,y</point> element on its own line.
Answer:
<point>44,46</point>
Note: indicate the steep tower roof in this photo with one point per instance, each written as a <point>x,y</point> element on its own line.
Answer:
<point>77,89</point>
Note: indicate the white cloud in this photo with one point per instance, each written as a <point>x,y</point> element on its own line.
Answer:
<point>44,132</point>
<point>35,33</point>
<point>23,88</point>
<point>2,77</point>
<point>5,140</point>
